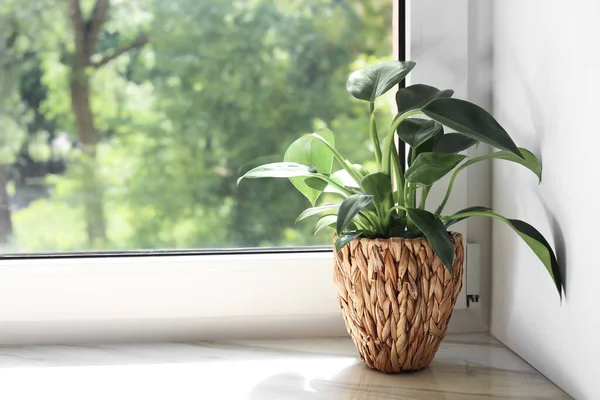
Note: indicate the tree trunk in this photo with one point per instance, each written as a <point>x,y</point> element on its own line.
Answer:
<point>6,229</point>
<point>88,136</point>
<point>86,33</point>
<point>85,36</point>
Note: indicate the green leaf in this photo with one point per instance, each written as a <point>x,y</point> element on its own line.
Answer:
<point>453,142</point>
<point>345,239</point>
<point>429,167</point>
<point>343,178</point>
<point>470,120</point>
<point>354,172</point>
<point>435,232</point>
<point>464,210</point>
<point>541,248</point>
<point>371,82</point>
<point>316,183</point>
<point>309,212</point>
<point>349,208</point>
<point>379,185</point>
<point>280,170</point>
<point>534,239</point>
<point>416,131</point>
<point>416,96</point>
<point>326,221</point>
<point>309,150</point>
<point>427,146</point>
<point>530,161</point>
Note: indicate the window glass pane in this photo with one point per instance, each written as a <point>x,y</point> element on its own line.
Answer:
<point>125,124</point>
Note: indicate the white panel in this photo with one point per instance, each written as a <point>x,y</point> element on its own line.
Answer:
<point>437,40</point>
<point>473,268</point>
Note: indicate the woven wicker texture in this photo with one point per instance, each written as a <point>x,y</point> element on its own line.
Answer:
<point>397,298</point>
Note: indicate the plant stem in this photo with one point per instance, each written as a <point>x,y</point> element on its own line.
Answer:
<point>474,214</point>
<point>424,193</point>
<point>373,220</point>
<point>360,224</point>
<point>346,165</point>
<point>398,176</point>
<point>391,210</point>
<point>389,144</point>
<point>447,196</point>
<point>373,134</point>
<point>398,120</point>
<point>381,217</point>
<point>410,195</point>
<point>413,187</point>
<point>335,184</point>
<point>412,156</point>
<point>451,183</point>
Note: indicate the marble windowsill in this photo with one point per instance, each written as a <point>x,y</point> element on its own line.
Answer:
<point>467,366</point>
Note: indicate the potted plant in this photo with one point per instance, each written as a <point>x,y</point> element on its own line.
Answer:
<point>398,270</point>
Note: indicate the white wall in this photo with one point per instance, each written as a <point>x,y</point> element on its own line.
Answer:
<point>547,95</point>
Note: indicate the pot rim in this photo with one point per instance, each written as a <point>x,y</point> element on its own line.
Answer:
<point>399,238</point>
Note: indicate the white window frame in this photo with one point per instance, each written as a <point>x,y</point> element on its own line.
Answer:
<point>192,297</point>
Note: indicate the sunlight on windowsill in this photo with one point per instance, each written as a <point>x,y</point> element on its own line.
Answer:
<point>466,366</point>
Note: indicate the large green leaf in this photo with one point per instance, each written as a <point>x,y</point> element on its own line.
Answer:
<point>465,210</point>
<point>312,211</point>
<point>430,167</point>
<point>349,208</point>
<point>280,170</point>
<point>345,239</point>
<point>324,222</point>
<point>371,82</point>
<point>453,142</point>
<point>427,146</point>
<point>309,150</point>
<point>534,239</point>
<point>315,183</point>
<point>416,96</point>
<point>541,248</point>
<point>529,160</point>
<point>470,120</point>
<point>416,131</point>
<point>379,185</point>
<point>435,232</point>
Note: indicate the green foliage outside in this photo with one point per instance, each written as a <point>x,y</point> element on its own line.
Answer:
<point>182,94</point>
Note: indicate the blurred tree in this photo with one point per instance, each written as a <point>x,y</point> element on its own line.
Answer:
<point>167,125</point>
<point>82,63</point>
<point>12,116</point>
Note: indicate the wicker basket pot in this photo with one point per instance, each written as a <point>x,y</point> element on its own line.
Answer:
<point>397,297</point>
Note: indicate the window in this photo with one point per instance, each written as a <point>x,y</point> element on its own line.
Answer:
<point>125,124</point>
<point>183,96</point>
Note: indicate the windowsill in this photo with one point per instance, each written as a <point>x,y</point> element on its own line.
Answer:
<point>176,298</point>
<point>467,366</point>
